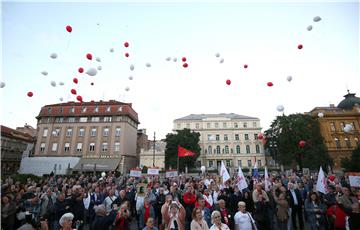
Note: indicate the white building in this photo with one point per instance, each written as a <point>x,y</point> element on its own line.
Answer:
<point>231,138</point>
<point>149,158</point>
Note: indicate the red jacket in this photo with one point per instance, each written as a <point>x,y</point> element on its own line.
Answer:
<point>189,198</point>
<point>340,220</point>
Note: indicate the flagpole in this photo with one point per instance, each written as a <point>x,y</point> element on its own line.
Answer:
<point>178,164</point>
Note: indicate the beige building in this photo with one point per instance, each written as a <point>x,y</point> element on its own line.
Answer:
<point>149,158</point>
<point>103,133</point>
<point>231,138</point>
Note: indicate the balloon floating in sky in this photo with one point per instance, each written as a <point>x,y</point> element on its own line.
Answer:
<point>260,136</point>
<point>348,128</point>
<point>221,60</point>
<point>280,108</point>
<point>168,58</point>
<point>99,67</point>
<point>111,50</point>
<point>30,94</point>
<point>217,55</point>
<point>148,65</point>
<point>289,78</point>
<point>175,59</point>
<point>317,19</point>
<point>245,66</point>
<point>69,29</point>
<point>132,67</point>
<point>61,83</point>
<point>81,70</point>
<point>98,59</point>
<point>302,143</point>
<point>127,89</point>
<point>44,73</point>
<point>309,28</point>
<point>89,56</point>
<point>91,72</point>
<point>92,83</point>
<point>79,98</point>
<point>75,80</point>
<point>185,65</point>
<point>270,84</point>
<point>2,84</point>
<point>127,54</point>
<point>53,55</point>
<point>61,98</point>
<point>183,59</point>
<point>73,91</point>
<point>131,77</point>
<point>53,83</point>
<point>126,44</point>
<point>228,82</point>
<point>300,47</point>
<point>320,115</point>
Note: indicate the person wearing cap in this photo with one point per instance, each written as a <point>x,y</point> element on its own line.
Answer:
<point>243,219</point>
<point>175,217</point>
<point>66,221</point>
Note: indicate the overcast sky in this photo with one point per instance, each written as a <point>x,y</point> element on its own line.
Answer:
<point>265,36</point>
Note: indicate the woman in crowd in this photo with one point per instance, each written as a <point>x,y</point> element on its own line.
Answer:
<point>315,211</point>
<point>146,212</point>
<point>198,222</point>
<point>66,221</point>
<point>243,219</point>
<point>282,211</point>
<point>216,220</point>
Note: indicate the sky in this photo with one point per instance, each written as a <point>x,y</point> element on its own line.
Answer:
<point>263,35</point>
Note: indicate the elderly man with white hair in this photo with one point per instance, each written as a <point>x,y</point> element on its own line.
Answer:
<point>295,202</point>
<point>103,221</point>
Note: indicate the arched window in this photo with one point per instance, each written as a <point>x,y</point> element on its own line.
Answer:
<point>209,149</point>
<point>238,149</point>
<point>226,149</point>
<point>218,149</point>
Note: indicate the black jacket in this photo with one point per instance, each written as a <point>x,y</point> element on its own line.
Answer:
<point>290,198</point>
<point>103,222</point>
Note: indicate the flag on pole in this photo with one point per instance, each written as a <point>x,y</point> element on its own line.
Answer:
<point>224,173</point>
<point>182,152</point>
<point>240,180</point>
<point>267,180</point>
<point>321,182</point>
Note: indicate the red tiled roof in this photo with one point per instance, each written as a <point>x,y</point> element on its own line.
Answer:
<point>12,133</point>
<point>90,106</point>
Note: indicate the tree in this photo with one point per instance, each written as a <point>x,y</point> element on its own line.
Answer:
<point>284,135</point>
<point>352,164</point>
<point>186,139</point>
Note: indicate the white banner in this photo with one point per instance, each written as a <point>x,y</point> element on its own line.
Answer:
<point>354,181</point>
<point>224,173</point>
<point>171,174</point>
<point>153,171</point>
<point>321,182</point>
<point>135,173</point>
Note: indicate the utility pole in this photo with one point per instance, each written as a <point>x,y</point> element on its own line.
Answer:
<point>154,152</point>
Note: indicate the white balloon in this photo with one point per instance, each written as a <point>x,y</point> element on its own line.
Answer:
<point>203,168</point>
<point>99,67</point>
<point>348,128</point>
<point>280,108</point>
<point>168,59</point>
<point>127,89</point>
<point>148,65</point>
<point>53,83</point>
<point>132,67</point>
<point>320,115</point>
<point>44,73</point>
<point>61,98</point>
<point>221,60</point>
<point>111,50</point>
<point>98,59</point>
<point>317,19</point>
<point>175,59</point>
<point>131,77</point>
<point>2,84</point>
<point>103,174</point>
<point>91,72</point>
<point>54,132</point>
<point>309,28</point>
<point>289,78</point>
<point>53,55</point>
<point>61,83</point>
<point>217,55</point>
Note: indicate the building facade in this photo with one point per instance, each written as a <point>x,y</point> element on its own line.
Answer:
<point>231,138</point>
<point>150,158</point>
<point>332,121</point>
<point>90,130</point>
<point>14,146</point>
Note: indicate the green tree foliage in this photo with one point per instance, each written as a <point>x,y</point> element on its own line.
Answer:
<point>186,139</point>
<point>352,164</point>
<point>283,139</point>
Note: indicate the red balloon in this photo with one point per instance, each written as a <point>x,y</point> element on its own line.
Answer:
<point>270,84</point>
<point>332,177</point>
<point>126,44</point>
<point>302,143</point>
<point>183,59</point>
<point>30,94</point>
<point>300,47</point>
<point>75,80</point>
<point>228,82</point>
<point>73,91</point>
<point>185,65</point>
<point>89,56</point>
<point>79,98</point>
<point>68,29</point>
<point>92,83</point>
<point>245,66</point>
<point>127,55</point>
<point>81,70</point>
<point>260,136</point>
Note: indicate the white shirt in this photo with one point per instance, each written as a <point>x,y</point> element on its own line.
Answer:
<point>294,196</point>
<point>223,227</point>
<point>209,199</point>
<point>242,221</point>
<point>107,202</point>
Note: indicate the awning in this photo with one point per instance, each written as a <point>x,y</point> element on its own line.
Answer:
<point>97,164</point>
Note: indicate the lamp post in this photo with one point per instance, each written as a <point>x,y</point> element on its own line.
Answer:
<point>154,151</point>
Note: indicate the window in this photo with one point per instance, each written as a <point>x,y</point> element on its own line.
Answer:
<point>104,147</point>
<point>117,132</point>
<point>187,125</point>
<point>83,119</point>
<point>210,138</point>
<point>216,125</point>
<point>45,132</point>
<point>61,110</point>
<point>79,147</point>
<point>257,148</point>
<point>56,133</point>
<point>81,132</point>
<point>209,149</point>
<point>246,136</point>
<point>211,164</point>
<point>42,147</point>
<point>238,149</point>
<point>239,163</point>
<point>226,137</point>
<point>93,132</point>
<point>256,136</point>
<point>83,109</point>
<point>107,119</point>
<point>254,124</point>
<point>226,149</point>
<point>247,148</point>
<point>106,132</point>
<point>347,142</point>
<point>224,125</point>
<point>59,120</point>
<point>208,125</point>
<point>69,132</point>
<point>67,147</point>
<point>54,147</point>
<point>218,149</point>
<point>217,137</point>
<point>71,119</point>
<point>95,119</point>
<point>197,126</point>
<point>117,147</point>
<point>49,110</point>
<point>96,109</point>
<point>337,142</point>
<point>249,163</point>
<point>259,163</point>
<point>92,147</point>
<point>228,163</point>
<point>108,109</point>
<point>178,126</point>
<point>118,118</point>
<point>245,125</point>
<point>237,137</point>
<point>120,109</point>
<point>236,125</point>
<point>72,110</point>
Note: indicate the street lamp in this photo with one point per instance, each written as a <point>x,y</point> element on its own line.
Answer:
<point>154,151</point>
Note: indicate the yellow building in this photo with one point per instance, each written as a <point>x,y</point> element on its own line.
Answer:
<point>340,142</point>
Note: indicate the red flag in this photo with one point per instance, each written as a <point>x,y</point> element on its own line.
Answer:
<point>182,152</point>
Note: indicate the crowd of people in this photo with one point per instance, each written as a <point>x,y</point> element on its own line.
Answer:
<point>179,203</point>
